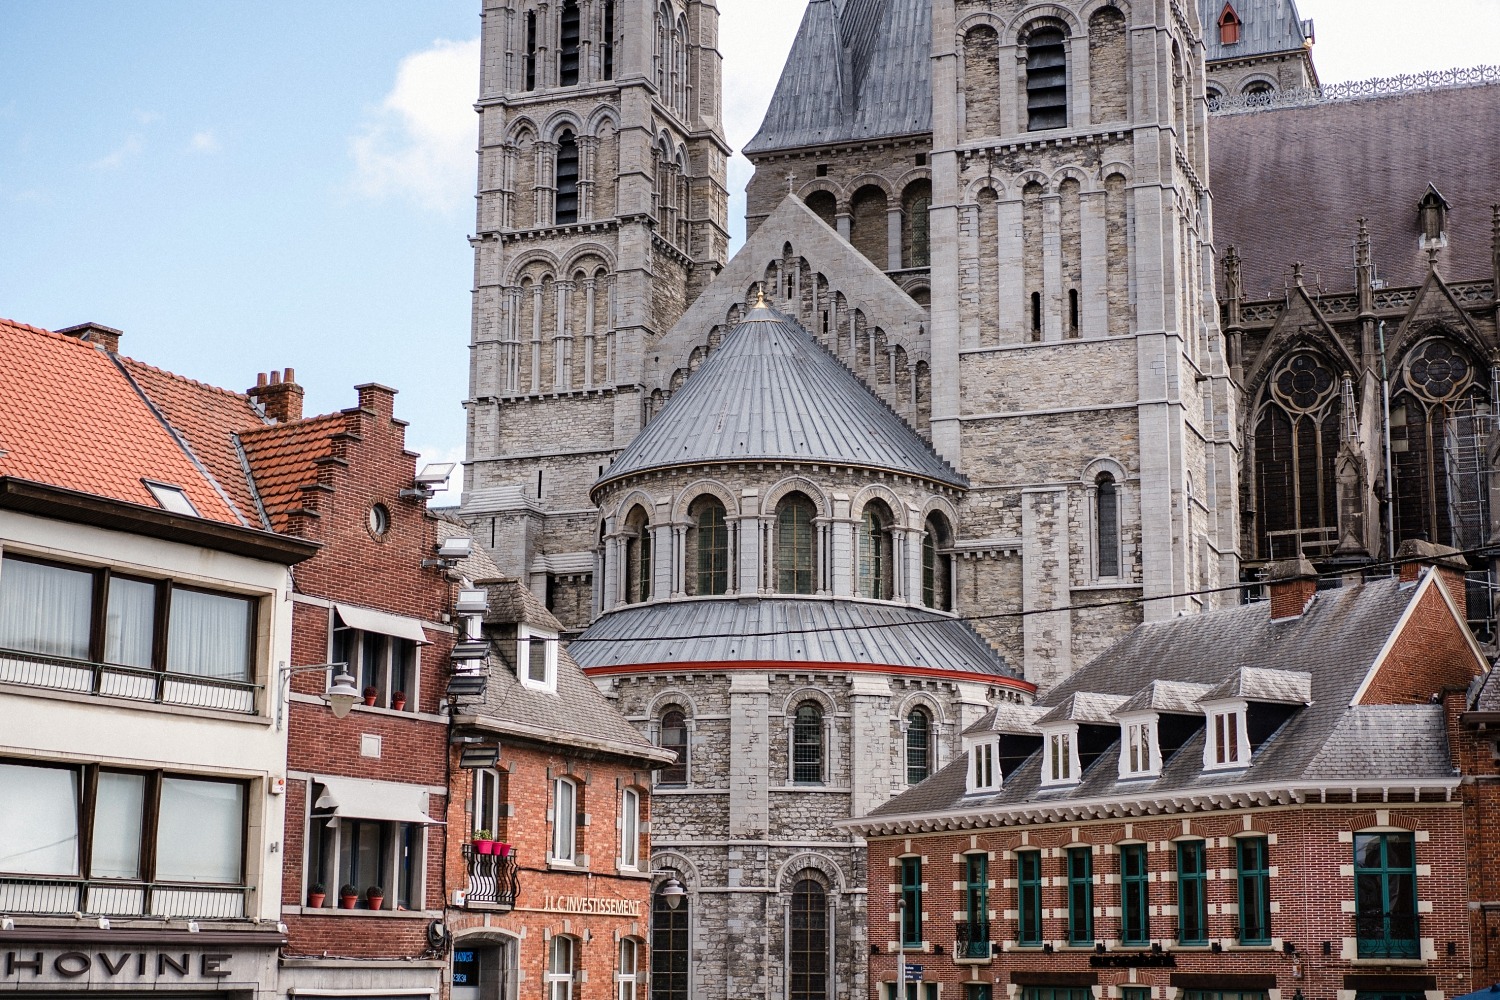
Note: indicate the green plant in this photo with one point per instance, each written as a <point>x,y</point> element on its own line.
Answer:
<point>482,835</point>
<point>349,890</point>
<point>374,891</point>
<point>319,888</point>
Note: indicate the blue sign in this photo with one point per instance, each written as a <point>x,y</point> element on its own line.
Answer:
<point>913,972</point>
<point>465,968</point>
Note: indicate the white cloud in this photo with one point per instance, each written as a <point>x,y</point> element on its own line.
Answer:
<point>204,142</point>
<point>116,157</point>
<point>420,143</point>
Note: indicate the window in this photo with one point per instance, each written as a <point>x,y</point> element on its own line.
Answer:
<point>1138,754</point>
<point>1226,739</point>
<point>637,556</point>
<point>974,933</point>
<point>1135,993</point>
<point>384,664</point>
<point>1107,525</point>
<point>367,854</point>
<point>1192,893</point>
<point>1029,897</point>
<point>1385,895</point>
<point>536,657</point>
<point>173,499</point>
<point>711,538</point>
<point>1046,80</point>
<point>669,949</point>
<point>1056,993</point>
<point>875,551</point>
<point>937,564</point>
<point>983,775</point>
<point>911,896</point>
<point>568,36</point>
<point>627,973</point>
<point>978,991</point>
<point>1036,315</point>
<point>807,744</point>
<point>809,941</point>
<point>674,736</point>
<point>630,828</point>
<point>1259,93</point>
<point>560,958</point>
<point>567,179</point>
<point>609,40</point>
<point>1229,26</point>
<point>564,820</point>
<point>1255,890</point>
<point>1440,400</point>
<point>1433,212</point>
<point>1234,995</point>
<point>918,746</point>
<point>489,801</point>
<point>1080,895</point>
<point>795,563</point>
<point>1135,926</point>
<point>1297,438</point>
<point>1059,766</point>
<point>531,50</point>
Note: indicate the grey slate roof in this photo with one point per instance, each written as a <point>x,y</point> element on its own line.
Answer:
<point>789,630</point>
<point>1169,697</point>
<point>1266,26</point>
<point>1084,706</point>
<point>1335,641</point>
<point>858,69</point>
<point>1008,717</point>
<point>1276,687</point>
<point>773,393</point>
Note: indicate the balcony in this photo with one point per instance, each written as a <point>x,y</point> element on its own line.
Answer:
<point>494,881</point>
<point>120,898</point>
<point>1387,935</point>
<point>130,683</point>
<point>971,941</point>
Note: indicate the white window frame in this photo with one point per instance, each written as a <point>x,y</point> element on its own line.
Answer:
<point>1139,737</point>
<point>564,822</point>
<point>525,636</point>
<point>630,829</point>
<point>489,807</point>
<point>627,983</point>
<point>1060,754</point>
<point>984,767</point>
<point>560,984</point>
<point>355,663</point>
<point>1226,715</point>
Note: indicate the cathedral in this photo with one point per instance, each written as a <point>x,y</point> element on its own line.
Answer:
<point>1051,318</point>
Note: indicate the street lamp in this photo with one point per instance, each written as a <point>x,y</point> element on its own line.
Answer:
<point>671,890</point>
<point>341,695</point>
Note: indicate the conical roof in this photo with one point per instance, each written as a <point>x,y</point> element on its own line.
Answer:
<point>773,393</point>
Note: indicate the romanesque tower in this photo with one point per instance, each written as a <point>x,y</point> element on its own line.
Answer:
<point>601,214</point>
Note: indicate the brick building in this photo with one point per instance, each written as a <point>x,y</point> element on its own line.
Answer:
<point>1252,803</point>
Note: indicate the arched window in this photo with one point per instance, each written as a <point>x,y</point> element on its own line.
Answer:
<point>568,38</point>
<point>796,562</point>
<point>875,570</point>
<point>937,563</point>
<point>1106,525</point>
<point>916,200</point>
<point>669,948</point>
<point>807,744</point>
<point>637,556</point>
<point>663,51</point>
<point>1433,212</point>
<point>561,955</point>
<point>708,545</point>
<point>1229,26</point>
<point>674,736</point>
<point>1259,92</point>
<point>627,971</point>
<point>1439,403</point>
<point>808,940</point>
<point>918,746</point>
<point>1296,442</point>
<point>1046,79</point>
<point>567,179</point>
<point>531,50</point>
<point>608,42</point>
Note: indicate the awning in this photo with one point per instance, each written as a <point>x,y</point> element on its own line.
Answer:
<point>364,798</point>
<point>368,620</point>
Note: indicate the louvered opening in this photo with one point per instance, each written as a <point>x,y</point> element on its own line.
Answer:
<point>1046,80</point>
<point>567,62</point>
<point>567,179</point>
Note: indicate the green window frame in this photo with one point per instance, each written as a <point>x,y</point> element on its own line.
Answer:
<point>1385,896</point>
<point>1135,993</point>
<point>1135,899</point>
<point>911,893</point>
<point>1225,995</point>
<point>1192,892</point>
<point>1080,862</point>
<point>1253,862</point>
<point>1056,993</point>
<point>974,937</point>
<point>978,991</point>
<point>1029,897</point>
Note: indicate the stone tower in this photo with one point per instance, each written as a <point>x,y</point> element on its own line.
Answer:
<point>602,214</point>
<point>1077,365</point>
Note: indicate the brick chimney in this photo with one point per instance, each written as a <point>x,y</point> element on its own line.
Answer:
<point>1415,554</point>
<point>1292,583</point>
<point>105,337</point>
<point>279,394</point>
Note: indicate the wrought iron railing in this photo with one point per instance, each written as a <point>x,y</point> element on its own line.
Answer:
<point>1387,935</point>
<point>1191,932</point>
<point>1382,86</point>
<point>971,940</point>
<point>494,880</point>
<point>1252,932</point>
<point>120,898</point>
<point>131,683</point>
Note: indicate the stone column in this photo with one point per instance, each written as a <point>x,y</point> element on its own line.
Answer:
<point>1052,282</point>
<point>1012,308</point>
<point>842,548</point>
<point>1093,319</point>
<point>1047,640</point>
<point>748,547</point>
<point>871,778</point>
<point>588,333</point>
<point>749,764</point>
<point>893,237</point>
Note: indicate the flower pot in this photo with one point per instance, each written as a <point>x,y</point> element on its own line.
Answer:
<point>375,902</point>
<point>370,700</point>
<point>315,899</point>
<point>502,849</point>
<point>348,902</point>
<point>484,847</point>
<point>399,704</point>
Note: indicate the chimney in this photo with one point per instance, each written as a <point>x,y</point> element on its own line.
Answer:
<point>104,337</point>
<point>1292,583</point>
<point>1447,563</point>
<point>279,394</point>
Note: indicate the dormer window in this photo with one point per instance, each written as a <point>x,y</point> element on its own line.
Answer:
<point>984,767</point>
<point>1228,741</point>
<point>1060,764</point>
<point>1229,26</point>
<point>1140,754</point>
<point>1433,209</point>
<point>536,660</point>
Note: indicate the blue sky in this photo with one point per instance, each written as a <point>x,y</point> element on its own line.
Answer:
<point>245,186</point>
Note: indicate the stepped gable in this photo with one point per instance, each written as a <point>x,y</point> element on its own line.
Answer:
<point>772,393</point>
<point>858,69</point>
<point>285,460</point>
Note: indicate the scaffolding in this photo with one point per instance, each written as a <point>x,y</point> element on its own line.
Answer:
<point>1471,425</point>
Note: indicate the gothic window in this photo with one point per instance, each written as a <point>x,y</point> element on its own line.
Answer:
<point>1229,26</point>
<point>567,179</point>
<point>918,746</point>
<point>679,67</point>
<point>937,563</point>
<point>875,570</point>
<point>795,545</point>
<point>669,948</point>
<point>708,545</point>
<point>569,31</point>
<point>807,744</point>
<point>674,737</point>
<point>1046,79</point>
<point>1107,525</point>
<point>809,940</point>
<point>1436,413</point>
<point>663,18</point>
<point>608,46</point>
<point>1296,442</point>
<point>531,50</point>
<point>637,556</point>
<point>916,200</point>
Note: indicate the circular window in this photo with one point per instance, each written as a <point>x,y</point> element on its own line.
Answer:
<point>1304,383</point>
<point>380,520</point>
<point>1437,371</point>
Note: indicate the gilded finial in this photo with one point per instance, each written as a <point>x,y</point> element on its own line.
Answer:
<point>760,296</point>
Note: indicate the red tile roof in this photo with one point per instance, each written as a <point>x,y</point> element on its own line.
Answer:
<point>285,458</point>
<point>70,418</point>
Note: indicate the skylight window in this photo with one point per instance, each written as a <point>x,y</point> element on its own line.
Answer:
<point>171,499</point>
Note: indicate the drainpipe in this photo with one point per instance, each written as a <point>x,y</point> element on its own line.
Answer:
<point>1390,482</point>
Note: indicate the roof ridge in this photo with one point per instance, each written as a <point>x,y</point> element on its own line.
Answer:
<point>196,383</point>
<point>28,326</point>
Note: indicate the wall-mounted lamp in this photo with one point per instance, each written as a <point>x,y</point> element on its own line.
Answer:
<point>432,479</point>
<point>450,552</point>
<point>341,695</point>
<point>672,892</point>
<point>472,602</point>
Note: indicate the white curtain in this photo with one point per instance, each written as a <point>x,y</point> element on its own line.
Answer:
<point>129,622</point>
<point>200,831</point>
<point>209,635</point>
<point>119,804</point>
<point>45,609</point>
<point>39,825</point>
